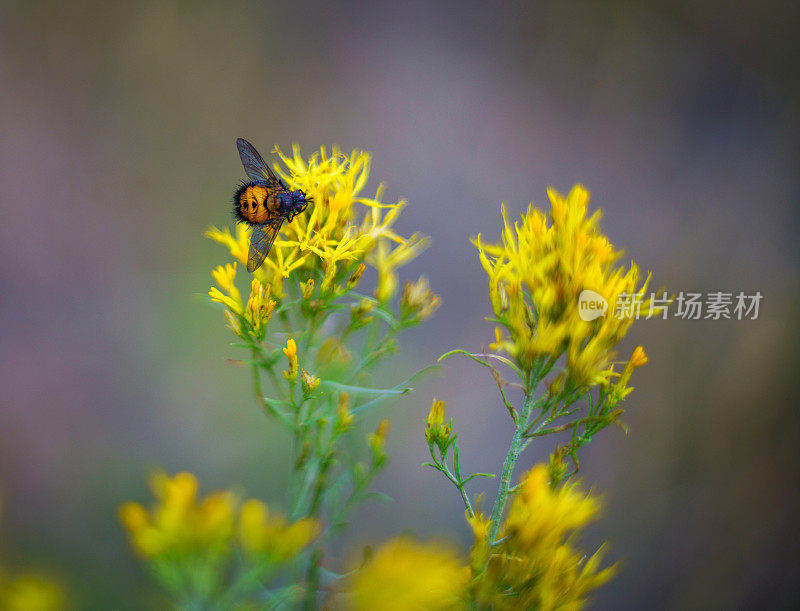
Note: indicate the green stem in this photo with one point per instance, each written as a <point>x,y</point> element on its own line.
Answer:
<point>259,395</point>
<point>459,482</point>
<point>312,580</point>
<point>518,442</point>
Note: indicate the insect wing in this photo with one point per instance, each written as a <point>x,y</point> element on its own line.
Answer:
<point>254,165</point>
<point>261,241</point>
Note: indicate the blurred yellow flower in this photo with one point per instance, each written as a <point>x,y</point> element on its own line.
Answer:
<point>406,575</point>
<point>377,440</point>
<point>535,566</point>
<point>31,592</point>
<point>536,274</point>
<point>343,414</point>
<point>271,535</point>
<point>418,299</point>
<point>310,381</point>
<point>178,523</point>
<point>540,515</point>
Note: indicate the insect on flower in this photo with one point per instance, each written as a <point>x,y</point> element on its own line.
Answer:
<point>263,203</point>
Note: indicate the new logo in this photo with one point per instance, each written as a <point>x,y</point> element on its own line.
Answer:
<point>591,305</point>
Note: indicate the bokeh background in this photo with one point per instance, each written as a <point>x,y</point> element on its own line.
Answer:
<point>117,129</point>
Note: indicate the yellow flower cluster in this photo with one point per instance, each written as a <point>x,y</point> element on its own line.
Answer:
<point>340,229</point>
<point>181,525</point>
<point>264,534</point>
<point>418,300</point>
<point>536,566</point>
<point>30,592</point>
<point>404,575</point>
<point>436,431</point>
<point>258,310</point>
<point>178,524</point>
<point>536,275</point>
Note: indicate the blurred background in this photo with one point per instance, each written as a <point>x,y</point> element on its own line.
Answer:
<point>117,129</point>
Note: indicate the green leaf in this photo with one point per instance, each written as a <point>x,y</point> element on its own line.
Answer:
<point>379,497</point>
<point>489,475</point>
<point>351,388</point>
<point>474,357</point>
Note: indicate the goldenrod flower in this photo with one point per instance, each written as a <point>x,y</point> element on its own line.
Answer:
<point>540,515</point>
<point>620,389</point>
<point>356,276</point>
<point>387,261</point>
<point>259,306</point>
<point>407,575</point>
<point>225,277</point>
<point>360,314</point>
<point>418,299</point>
<point>238,244</point>
<point>436,431</point>
<point>479,554</point>
<point>307,288</point>
<point>341,229</point>
<point>535,566</point>
<point>377,441</point>
<point>345,418</point>
<point>536,274</point>
<point>310,381</point>
<point>31,592</point>
<point>271,535</point>
<point>479,523</point>
<point>291,354</point>
<point>178,523</point>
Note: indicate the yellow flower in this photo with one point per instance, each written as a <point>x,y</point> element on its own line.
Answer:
<point>259,306</point>
<point>418,299</point>
<point>310,381</point>
<point>620,389</point>
<point>387,260</point>
<point>406,575</point>
<point>340,230</point>
<point>436,431</point>
<point>360,314</point>
<point>377,441</point>
<point>536,566</point>
<point>178,523</point>
<point>238,245</point>
<point>291,354</point>
<point>540,515</point>
<point>271,535</point>
<point>31,592</point>
<point>307,288</point>
<point>356,276</point>
<point>536,274</point>
<point>479,523</point>
<point>225,277</point>
<point>345,418</point>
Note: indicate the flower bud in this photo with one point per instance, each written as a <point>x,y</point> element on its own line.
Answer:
<point>356,276</point>
<point>291,354</point>
<point>310,382</point>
